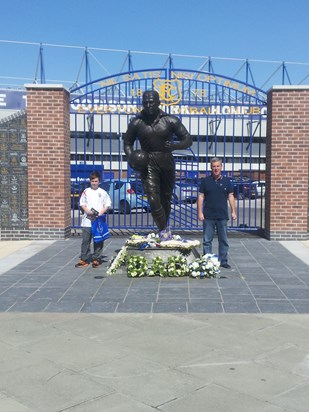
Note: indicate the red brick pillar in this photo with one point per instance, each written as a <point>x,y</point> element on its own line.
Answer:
<point>48,135</point>
<point>287,163</point>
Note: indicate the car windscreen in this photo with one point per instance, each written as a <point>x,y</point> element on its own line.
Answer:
<point>137,186</point>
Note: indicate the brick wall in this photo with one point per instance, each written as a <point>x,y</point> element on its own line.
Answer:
<point>48,128</point>
<point>287,165</point>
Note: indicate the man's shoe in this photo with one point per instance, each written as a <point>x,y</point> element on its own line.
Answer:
<point>95,263</point>
<point>81,264</point>
<point>225,265</point>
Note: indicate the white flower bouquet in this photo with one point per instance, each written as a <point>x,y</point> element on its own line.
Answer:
<point>208,266</point>
<point>118,261</point>
<point>152,240</point>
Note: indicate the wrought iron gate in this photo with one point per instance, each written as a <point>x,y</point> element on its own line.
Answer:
<point>226,118</point>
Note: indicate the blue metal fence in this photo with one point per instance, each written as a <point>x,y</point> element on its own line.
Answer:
<point>226,118</point>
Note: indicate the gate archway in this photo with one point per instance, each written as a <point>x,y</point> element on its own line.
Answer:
<point>226,118</point>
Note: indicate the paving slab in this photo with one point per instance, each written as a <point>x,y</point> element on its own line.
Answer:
<point>55,362</point>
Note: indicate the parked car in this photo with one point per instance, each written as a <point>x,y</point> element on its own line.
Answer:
<point>185,192</point>
<point>126,194</point>
<point>241,187</point>
<point>258,188</point>
<point>77,188</point>
<point>246,188</point>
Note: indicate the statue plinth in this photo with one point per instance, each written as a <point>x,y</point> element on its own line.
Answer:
<point>150,253</point>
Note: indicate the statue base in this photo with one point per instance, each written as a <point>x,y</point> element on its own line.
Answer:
<point>149,249</point>
<point>164,253</point>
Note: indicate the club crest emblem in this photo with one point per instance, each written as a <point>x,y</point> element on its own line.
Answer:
<point>169,91</point>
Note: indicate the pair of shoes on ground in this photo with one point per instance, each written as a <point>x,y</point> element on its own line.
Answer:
<point>225,265</point>
<point>83,263</point>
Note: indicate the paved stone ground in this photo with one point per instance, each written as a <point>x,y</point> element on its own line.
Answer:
<point>225,361</point>
<point>265,278</point>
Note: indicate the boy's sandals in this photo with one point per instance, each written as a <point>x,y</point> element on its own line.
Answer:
<point>81,264</point>
<point>95,263</point>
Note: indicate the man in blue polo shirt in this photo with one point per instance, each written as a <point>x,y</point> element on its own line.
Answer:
<point>214,192</point>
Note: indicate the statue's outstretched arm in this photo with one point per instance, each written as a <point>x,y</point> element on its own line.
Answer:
<point>185,140</point>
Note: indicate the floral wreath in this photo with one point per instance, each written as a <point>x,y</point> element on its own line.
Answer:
<point>207,266</point>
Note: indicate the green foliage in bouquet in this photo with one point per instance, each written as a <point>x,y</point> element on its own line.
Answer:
<point>176,266</point>
<point>158,267</point>
<point>137,266</point>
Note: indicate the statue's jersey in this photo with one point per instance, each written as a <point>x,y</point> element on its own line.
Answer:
<point>153,136</point>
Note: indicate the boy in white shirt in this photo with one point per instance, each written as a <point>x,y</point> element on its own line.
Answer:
<point>93,199</point>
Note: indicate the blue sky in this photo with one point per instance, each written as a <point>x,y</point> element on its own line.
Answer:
<point>268,30</point>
